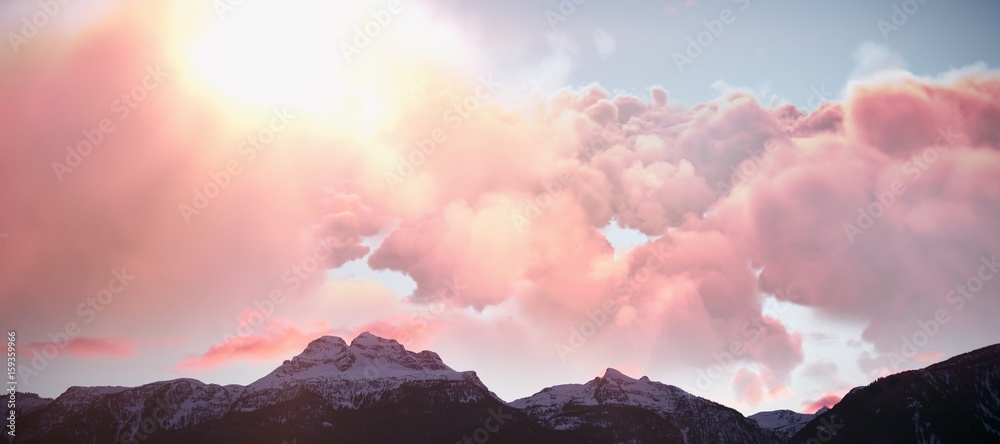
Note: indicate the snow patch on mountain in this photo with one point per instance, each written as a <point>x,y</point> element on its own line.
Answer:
<point>613,389</point>
<point>351,376</point>
<point>605,403</point>
<point>784,422</point>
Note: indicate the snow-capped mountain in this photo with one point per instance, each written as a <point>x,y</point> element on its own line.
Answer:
<point>616,407</point>
<point>373,390</point>
<point>331,392</point>
<point>369,371</point>
<point>784,423</point>
<point>376,391</point>
<point>613,389</point>
<point>957,400</point>
<point>113,414</point>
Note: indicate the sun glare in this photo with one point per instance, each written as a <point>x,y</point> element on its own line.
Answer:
<point>293,54</point>
<point>283,53</point>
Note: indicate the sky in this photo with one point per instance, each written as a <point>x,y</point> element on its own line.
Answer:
<point>763,203</point>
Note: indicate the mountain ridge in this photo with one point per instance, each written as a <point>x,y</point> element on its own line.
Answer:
<point>338,392</point>
<point>956,400</point>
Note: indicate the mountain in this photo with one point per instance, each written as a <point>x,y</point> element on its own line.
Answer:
<point>784,423</point>
<point>364,374</point>
<point>957,400</point>
<point>112,414</point>
<point>617,408</point>
<point>28,402</point>
<point>373,390</point>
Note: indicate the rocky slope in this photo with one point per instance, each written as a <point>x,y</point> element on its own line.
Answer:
<point>784,423</point>
<point>617,408</point>
<point>373,390</point>
<point>957,400</point>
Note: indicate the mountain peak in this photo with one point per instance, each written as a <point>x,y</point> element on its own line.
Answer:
<point>323,352</point>
<point>324,346</point>
<point>339,372</point>
<point>328,340</point>
<point>367,357</point>
<point>616,375</point>
<point>366,340</point>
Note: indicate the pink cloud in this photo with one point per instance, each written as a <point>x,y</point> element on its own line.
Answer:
<point>120,206</point>
<point>279,341</point>
<point>752,389</point>
<point>86,347</point>
<point>505,215</point>
<point>827,400</point>
<point>930,357</point>
<point>347,222</point>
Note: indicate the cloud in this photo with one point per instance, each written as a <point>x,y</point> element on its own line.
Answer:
<point>726,186</point>
<point>279,341</point>
<point>501,212</point>
<point>118,207</point>
<point>827,400</point>
<point>752,389</point>
<point>345,226</point>
<point>824,371</point>
<point>85,347</point>
<point>873,59</point>
<point>931,357</point>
